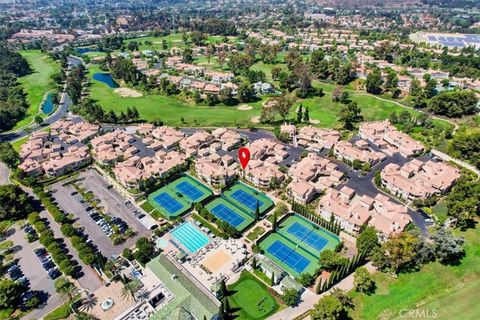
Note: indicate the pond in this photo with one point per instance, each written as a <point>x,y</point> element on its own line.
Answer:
<point>105,78</point>
<point>47,104</point>
<point>85,50</point>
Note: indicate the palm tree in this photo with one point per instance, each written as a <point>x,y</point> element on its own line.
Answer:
<point>128,290</point>
<point>66,289</point>
<point>88,302</point>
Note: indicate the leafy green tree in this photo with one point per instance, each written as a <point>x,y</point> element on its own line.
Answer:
<point>8,155</point>
<point>306,279</point>
<point>400,250</point>
<point>330,259</point>
<point>454,103</point>
<point>300,114</point>
<point>363,280</point>
<point>282,106</point>
<point>415,88</point>
<point>448,247</point>
<point>290,297</point>
<point>367,240</point>
<point>306,115</point>
<point>65,288</point>
<point>350,114</point>
<point>374,82</point>
<point>14,202</point>
<point>10,292</point>
<point>145,250</point>
<point>245,92</point>
<point>329,308</point>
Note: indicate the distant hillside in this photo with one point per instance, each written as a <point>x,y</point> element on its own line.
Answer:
<point>396,3</point>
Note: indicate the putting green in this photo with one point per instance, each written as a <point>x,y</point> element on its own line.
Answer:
<point>252,297</point>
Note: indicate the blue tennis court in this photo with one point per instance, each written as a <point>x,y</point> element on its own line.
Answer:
<point>288,256</point>
<point>189,190</point>
<point>167,202</point>
<point>226,214</point>
<point>246,199</point>
<point>308,236</point>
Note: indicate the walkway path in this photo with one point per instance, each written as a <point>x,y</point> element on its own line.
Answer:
<point>4,174</point>
<point>309,299</point>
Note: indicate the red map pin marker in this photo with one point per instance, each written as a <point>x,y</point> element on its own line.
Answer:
<point>244,156</point>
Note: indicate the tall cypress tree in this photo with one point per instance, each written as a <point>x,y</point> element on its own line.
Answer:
<point>318,289</point>
<point>257,212</point>
<point>274,222</point>
<point>223,288</point>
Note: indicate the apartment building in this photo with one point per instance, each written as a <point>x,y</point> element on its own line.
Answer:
<point>354,211</point>
<point>346,150</point>
<point>418,180</point>
<point>392,141</point>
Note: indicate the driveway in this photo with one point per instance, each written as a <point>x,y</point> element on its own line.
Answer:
<point>4,174</point>
<point>38,277</point>
<point>364,185</point>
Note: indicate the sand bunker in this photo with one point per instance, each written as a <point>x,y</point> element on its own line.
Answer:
<point>127,92</point>
<point>244,107</point>
<point>255,119</point>
<point>314,121</point>
<point>216,261</point>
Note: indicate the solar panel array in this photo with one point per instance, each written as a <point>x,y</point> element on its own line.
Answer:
<point>456,41</point>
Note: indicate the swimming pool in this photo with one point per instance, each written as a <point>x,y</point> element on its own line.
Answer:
<point>190,237</point>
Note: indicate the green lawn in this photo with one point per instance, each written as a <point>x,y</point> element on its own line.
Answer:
<point>172,40</point>
<point>452,290</point>
<point>38,83</point>
<point>255,233</point>
<point>171,110</point>
<point>61,312</point>
<point>252,298</point>
<point>17,144</point>
<point>326,111</point>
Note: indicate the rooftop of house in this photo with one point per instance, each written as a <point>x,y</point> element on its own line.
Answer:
<point>380,212</point>
<point>421,179</point>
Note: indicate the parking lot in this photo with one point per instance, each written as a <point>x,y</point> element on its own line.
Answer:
<point>113,204</point>
<point>32,269</point>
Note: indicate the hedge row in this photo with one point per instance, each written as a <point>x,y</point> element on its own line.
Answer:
<point>47,239</point>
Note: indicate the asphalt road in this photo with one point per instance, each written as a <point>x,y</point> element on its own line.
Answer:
<point>57,115</point>
<point>4,174</point>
